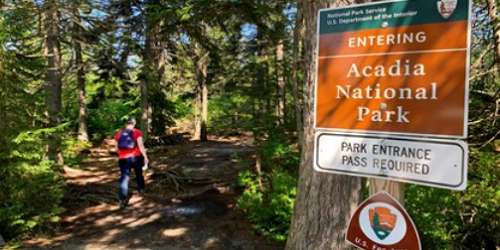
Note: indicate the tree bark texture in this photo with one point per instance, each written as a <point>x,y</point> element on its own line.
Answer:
<point>146,110</point>
<point>495,23</point>
<point>204,110</point>
<point>325,202</point>
<point>280,75</point>
<point>202,94</point>
<point>80,78</point>
<point>297,85</point>
<point>150,78</point>
<point>53,84</point>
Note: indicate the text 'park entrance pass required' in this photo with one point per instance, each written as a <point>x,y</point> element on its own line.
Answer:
<point>430,162</point>
<point>394,67</point>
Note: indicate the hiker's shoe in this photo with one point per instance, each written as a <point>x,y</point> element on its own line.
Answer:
<point>123,203</point>
<point>141,193</point>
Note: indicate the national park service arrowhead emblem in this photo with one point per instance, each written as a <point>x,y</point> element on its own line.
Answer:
<point>446,7</point>
<point>381,222</point>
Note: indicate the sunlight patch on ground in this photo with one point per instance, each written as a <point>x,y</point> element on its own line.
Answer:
<point>175,232</point>
<point>145,220</point>
<point>211,243</point>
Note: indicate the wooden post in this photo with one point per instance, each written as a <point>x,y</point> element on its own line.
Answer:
<point>395,189</point>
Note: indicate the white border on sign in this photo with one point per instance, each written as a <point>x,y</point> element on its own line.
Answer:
<point>467,74</point>
<point>397,202</point>
<point>459,143</point>
<point>467,71</point>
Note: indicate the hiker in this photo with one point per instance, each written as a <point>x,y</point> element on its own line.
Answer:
<point>132,154</point>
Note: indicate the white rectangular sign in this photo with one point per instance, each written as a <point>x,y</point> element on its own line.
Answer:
<point>431,162</point>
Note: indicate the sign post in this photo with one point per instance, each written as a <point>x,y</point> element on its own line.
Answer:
<point>394,75</point>
<point>391,99</point>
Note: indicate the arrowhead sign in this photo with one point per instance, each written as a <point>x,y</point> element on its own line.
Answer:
<point>381,222</point>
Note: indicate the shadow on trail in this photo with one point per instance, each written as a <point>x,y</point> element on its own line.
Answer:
<point>198,213</point>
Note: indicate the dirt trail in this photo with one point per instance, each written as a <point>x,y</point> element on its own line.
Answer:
<point>189,204</point>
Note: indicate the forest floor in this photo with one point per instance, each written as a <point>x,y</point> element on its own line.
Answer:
<point>190,201</point>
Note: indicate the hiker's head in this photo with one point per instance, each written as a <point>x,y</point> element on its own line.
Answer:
<point>130,123</point>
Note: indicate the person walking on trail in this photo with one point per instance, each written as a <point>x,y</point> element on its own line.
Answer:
<point>131,154</point>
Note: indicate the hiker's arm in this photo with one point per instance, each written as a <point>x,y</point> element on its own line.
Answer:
<point>116,144</point>
<point>140,142</point>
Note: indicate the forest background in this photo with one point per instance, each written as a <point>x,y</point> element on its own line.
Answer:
<point>72,71</point>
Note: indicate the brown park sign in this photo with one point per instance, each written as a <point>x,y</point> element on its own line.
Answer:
<point>381,223</point>
<point>394,67</point>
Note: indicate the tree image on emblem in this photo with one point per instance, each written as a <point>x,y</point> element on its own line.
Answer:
<point>382,221</point>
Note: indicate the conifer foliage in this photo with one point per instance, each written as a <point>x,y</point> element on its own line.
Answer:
<point>72,71</point>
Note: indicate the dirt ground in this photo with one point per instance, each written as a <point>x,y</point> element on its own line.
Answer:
<point>189,203</point>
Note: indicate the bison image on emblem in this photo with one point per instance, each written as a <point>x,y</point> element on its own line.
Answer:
<point>446,7</point>
<point>382,221</point>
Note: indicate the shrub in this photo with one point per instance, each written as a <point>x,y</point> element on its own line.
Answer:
<point>229,113</point>
<point>269,209</point>
<point>461,220</point>
<point>279,151</point>
<point>72,150</point>
<point>31,188</point>
<point>109,117</point>
<point>30,195</point>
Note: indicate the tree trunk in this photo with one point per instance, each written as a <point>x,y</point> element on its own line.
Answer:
<point>149,77</point>
<point>202,95</point>
<point>297,86</point>
<point>80,79</point>
<point>204,110</point>
<point>2,241</point>
<point>495,23</point>
<point>4,126</point>
<point>280,74</point>
<point>53,84</point>
<point>146,110</point>
<point>325,202</point>
<point>197,114</point>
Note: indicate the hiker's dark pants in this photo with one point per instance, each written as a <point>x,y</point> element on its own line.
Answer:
<point>125,165</point>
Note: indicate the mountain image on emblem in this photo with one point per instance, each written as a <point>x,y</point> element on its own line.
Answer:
<point>382,221</point>
<point>446,7</point>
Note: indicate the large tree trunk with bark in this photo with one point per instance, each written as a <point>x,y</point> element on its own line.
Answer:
<point>53,84</point>
<point>324,202</point>
<point>495,23</point>
<point>280,75</point>
<point>297,86</point>
<point>204,111</point>
<point>146,109</point>
<point>201,63</point>
<point>156,59</point>
<point>80,77</point>
<point>149,78</point>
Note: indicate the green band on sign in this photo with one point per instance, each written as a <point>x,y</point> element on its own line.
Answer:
<point>390,14</point>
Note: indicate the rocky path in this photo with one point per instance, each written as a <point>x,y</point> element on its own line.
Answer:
<point>189,204</point>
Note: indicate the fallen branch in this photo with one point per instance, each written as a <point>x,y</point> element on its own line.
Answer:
<point>490,140</point>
